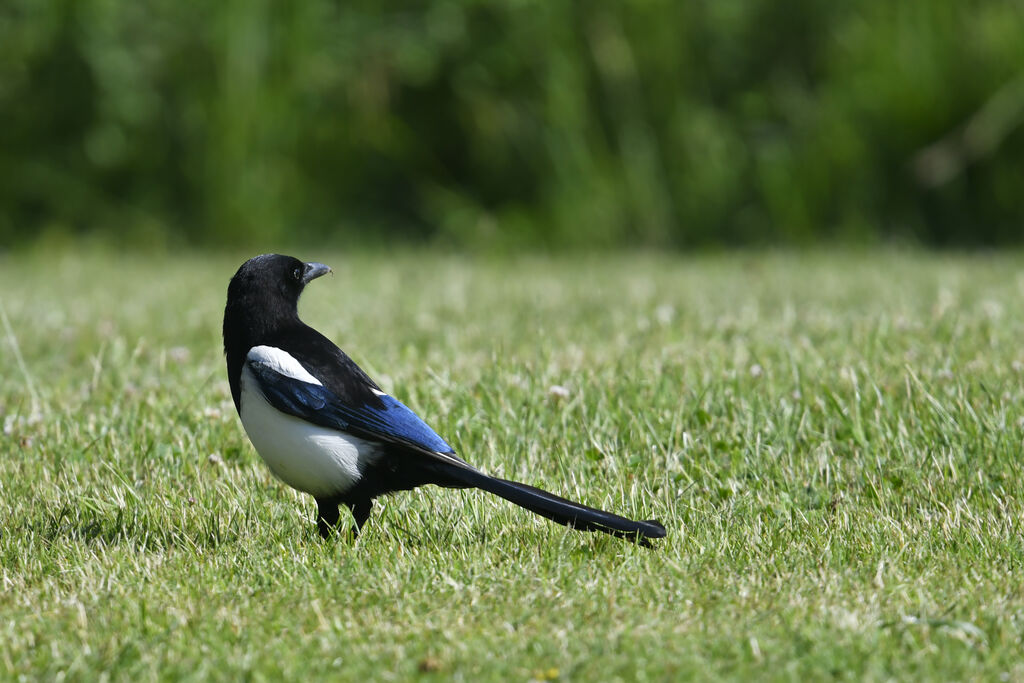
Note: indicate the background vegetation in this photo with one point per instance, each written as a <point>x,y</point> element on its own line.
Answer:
<point>513,122</point>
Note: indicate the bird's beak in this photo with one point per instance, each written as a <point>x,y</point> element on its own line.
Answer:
<point>313,271</point>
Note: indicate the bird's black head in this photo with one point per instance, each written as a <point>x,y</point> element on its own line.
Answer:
<point>272,281</point>
<point>263,299</point>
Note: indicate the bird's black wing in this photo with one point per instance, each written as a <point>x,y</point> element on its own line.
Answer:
<point>331,366</point>
<point>387,419</point>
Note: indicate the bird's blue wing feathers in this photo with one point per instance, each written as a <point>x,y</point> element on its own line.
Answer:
<point>315,403</point>
<point>395,420</point>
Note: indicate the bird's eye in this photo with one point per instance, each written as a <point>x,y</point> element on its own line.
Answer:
<point>297,273</point>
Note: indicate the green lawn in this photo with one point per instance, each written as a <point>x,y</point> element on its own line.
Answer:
<point>833,441</point>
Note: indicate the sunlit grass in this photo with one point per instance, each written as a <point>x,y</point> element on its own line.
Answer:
<point>833,441</point>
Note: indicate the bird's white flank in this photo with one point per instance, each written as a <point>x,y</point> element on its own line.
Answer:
<point>317,460</point>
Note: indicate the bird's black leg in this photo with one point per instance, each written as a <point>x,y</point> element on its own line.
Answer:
<point>326,516</point>
<point>361,512</point>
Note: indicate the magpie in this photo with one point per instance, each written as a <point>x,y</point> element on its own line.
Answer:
<point>324,427</point>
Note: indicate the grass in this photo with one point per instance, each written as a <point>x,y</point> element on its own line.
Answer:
<point>833,441</point>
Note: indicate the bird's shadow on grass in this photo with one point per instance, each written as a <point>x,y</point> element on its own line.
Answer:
<point>86,523</point>
<point>427,532</point>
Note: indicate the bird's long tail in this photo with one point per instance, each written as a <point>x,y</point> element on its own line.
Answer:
<point>560,510</point>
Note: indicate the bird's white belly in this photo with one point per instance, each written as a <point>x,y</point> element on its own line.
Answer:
<point>317,460</point>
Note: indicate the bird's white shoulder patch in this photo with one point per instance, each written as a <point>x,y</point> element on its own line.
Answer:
<point>282,362</point>
<point>378,392</point>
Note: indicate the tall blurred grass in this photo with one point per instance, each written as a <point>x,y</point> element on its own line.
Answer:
<point>513,122</point>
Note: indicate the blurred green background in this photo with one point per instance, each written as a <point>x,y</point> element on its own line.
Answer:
<point>512,123</point>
